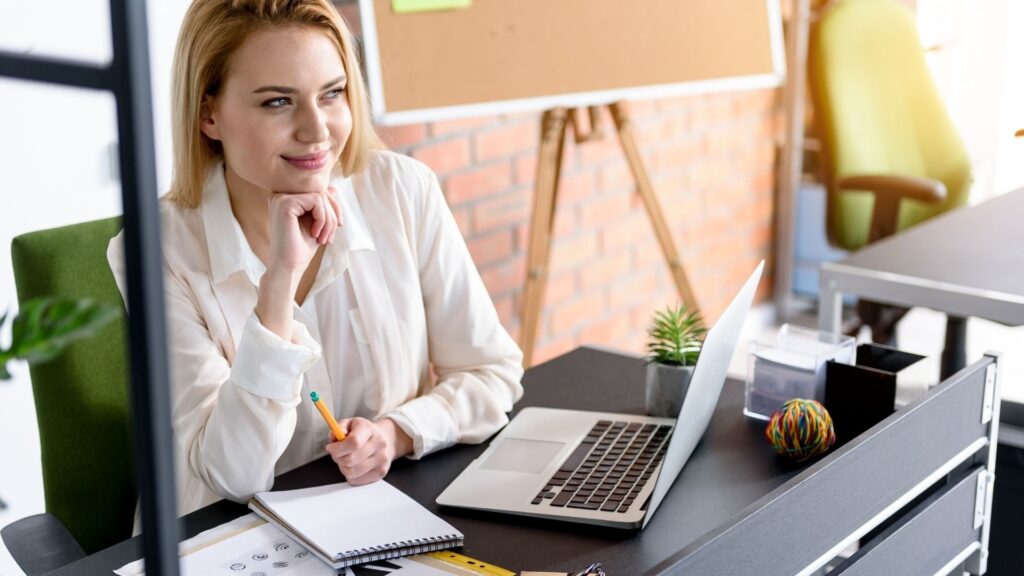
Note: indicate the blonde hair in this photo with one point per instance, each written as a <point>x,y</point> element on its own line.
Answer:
<point>211,32</point>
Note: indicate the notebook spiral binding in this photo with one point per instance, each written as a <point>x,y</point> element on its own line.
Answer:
<point>398,549</point>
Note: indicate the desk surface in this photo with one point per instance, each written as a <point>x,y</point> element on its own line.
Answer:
<point>731,469</point>
<point>967,262</point>
<point>977,247</point>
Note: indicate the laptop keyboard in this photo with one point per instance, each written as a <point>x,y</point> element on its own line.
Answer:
<point>609,468</point>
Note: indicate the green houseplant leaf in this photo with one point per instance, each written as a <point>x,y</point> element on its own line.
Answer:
<point>46,326</point>
<point>675,336</point>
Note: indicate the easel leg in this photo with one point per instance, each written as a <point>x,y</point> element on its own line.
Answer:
<point>623,126</point>
<point>549,164</point>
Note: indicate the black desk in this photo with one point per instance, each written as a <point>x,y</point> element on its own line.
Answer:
<point>717,502</point>
<point>731,469</point>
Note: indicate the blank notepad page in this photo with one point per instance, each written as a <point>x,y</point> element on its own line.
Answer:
<point>341,519</point>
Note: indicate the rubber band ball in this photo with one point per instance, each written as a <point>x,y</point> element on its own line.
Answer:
<point>801,429</point>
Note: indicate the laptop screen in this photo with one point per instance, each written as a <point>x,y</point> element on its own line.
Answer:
<point>705,388</point>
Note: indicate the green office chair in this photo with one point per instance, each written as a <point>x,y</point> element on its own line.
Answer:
<point>891,157</point>
<point>81,406</point>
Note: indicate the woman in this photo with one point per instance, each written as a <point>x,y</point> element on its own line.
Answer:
<point>300,258</point>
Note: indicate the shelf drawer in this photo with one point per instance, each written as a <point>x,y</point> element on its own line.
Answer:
<point>926,539</point>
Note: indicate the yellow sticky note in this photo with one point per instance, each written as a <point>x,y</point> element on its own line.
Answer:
<point>411,6</point>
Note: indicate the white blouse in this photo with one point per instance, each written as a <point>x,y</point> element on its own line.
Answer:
<point>396,295</point>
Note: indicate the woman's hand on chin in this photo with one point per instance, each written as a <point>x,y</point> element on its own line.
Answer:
<point>301,222</point>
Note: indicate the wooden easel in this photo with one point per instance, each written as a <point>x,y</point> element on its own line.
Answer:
<point>549,162</point>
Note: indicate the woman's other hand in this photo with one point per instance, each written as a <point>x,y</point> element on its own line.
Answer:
<point>366,453</point>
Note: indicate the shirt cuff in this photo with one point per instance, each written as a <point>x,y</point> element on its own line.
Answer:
<point>427,423</point>
<point>267,365</point>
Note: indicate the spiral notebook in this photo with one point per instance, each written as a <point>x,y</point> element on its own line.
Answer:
<point>347,525</point>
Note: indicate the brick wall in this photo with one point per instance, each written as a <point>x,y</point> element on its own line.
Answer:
<point>712,161</point>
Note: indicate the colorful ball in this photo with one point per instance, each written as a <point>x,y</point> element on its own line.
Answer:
<point>802,429</point>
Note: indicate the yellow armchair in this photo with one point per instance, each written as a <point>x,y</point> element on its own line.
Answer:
<point>891,157</point>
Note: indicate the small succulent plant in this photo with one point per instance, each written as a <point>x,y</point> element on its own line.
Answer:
<point>675,336</point>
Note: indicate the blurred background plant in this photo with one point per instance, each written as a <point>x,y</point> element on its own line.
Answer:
<point>45,326</point>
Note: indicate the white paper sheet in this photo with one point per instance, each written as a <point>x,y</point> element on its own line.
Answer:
<point>259,551</point>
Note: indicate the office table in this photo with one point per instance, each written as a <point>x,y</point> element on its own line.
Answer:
<point>736,508</point>
<point>968,262</point>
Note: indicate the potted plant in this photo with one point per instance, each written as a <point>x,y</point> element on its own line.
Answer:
<point>674,341</point>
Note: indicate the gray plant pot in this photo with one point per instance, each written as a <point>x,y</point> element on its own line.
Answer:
<point>666,388</point>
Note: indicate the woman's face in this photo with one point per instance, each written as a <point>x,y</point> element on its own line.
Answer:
<point>282,114</point>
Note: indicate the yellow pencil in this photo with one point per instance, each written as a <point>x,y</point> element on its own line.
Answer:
<point>326,413</point>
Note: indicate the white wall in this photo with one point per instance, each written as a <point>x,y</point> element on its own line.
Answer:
<point>56,168</point>
<point>977,61</point>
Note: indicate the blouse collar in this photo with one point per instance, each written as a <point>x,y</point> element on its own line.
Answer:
<point>230,251</point>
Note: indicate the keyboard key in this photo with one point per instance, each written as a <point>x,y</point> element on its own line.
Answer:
<point>562,499</point>
<point>584,505</point>
<point>576,458</point>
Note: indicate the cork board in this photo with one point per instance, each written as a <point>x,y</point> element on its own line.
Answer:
<point>501,56</point>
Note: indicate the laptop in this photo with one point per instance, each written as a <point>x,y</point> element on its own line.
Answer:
<point>600,467</point>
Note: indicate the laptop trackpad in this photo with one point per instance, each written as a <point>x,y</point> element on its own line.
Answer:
<point>518,455</point>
